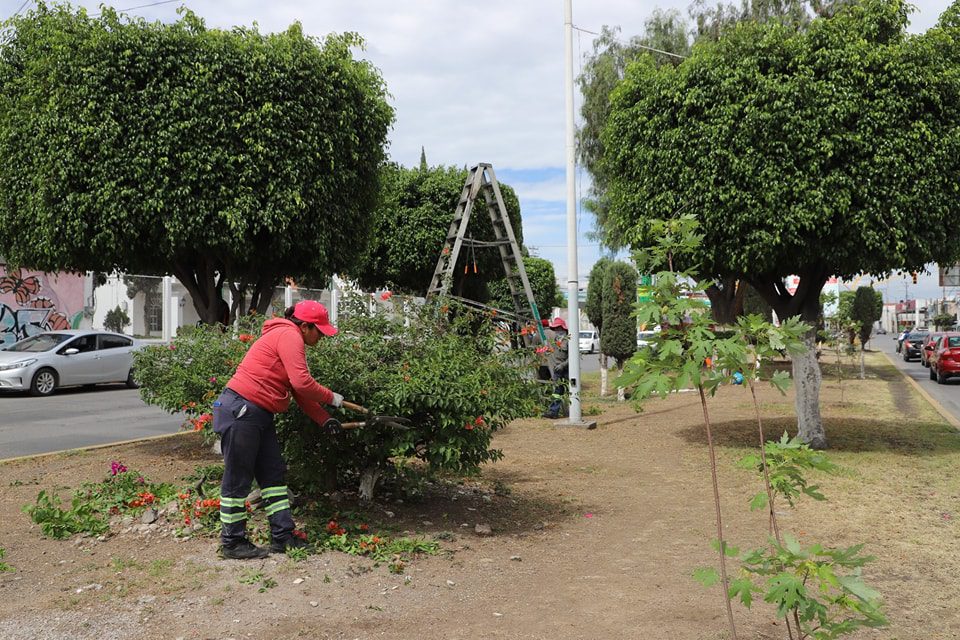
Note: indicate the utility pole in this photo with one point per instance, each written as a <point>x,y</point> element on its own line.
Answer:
<point>573,289</point>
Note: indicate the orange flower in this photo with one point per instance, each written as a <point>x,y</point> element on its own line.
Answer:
<point>246,337</point>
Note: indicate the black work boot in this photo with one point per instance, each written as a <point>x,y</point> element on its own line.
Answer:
<point>243,550</point>
<point>281,546</point>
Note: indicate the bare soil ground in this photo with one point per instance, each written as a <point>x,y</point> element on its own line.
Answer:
<point>595,535</point>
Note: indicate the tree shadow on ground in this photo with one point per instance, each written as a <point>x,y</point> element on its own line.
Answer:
<point>852,435</point>
<point>445,506</point>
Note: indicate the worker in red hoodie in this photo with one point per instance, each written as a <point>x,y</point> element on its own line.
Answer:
<point>273,370</point>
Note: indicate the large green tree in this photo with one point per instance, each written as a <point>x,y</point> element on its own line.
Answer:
<point>410,225</point>
<point>221,157</point>
<point>832,150</point>
<point>667,39</point>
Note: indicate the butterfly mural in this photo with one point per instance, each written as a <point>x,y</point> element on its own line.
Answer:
<point>22,288</point>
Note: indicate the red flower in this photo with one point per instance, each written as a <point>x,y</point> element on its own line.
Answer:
<point>479,421</point>
<point>386,295</point>
<point>364,527</point>
<point>245,337</point>
<point>468,427</point>
<point>299,534</point>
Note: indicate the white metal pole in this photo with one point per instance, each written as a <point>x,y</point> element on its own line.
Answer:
<point>167,293</point>
<point>573,294</point>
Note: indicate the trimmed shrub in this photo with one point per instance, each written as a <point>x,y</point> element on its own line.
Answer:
<point>441,369</point>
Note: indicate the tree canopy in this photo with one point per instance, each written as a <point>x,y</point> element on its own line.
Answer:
<point>409,227</point>
<point>833,150</point>
<point>222,157</point>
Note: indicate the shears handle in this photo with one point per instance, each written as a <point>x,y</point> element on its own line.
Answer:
<point>354,407</point>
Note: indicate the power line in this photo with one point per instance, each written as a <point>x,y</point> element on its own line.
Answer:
<point>22,7</point>
<point>633,44</point>
<point>142,6</point>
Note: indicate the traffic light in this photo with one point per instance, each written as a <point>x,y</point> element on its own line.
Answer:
<point>914,274</point>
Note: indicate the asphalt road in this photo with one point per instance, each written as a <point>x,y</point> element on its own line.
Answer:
<point>72,418</point>
<point>947,394</point>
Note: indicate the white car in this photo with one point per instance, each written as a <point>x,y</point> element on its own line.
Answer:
<point>645,338</point>
<point>589,342</point>
<point>47,361</point>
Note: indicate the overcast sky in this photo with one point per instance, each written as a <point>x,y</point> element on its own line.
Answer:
<point>475,82</point>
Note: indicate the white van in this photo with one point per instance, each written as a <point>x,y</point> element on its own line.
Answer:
<point>589,341</point>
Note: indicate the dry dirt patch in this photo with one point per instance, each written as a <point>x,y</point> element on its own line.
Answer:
<point>595,535</point>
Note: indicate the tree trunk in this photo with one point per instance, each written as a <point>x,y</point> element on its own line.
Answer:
<point>805,303</point>
<point>604,375</point>
<point>862,374</point>
<point>203,284</point>
<point>368,482</point>
<point>806,376</point>
<point>621,392</point>
<point>726,300</point>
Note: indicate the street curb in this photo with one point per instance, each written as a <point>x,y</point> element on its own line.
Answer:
<point>946,415</point>
<point>92,447</point>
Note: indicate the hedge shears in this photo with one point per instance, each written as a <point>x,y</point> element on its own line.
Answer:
<point>374,420</point>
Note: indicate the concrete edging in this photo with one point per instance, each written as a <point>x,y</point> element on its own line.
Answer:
<point>946,415</point>
<point>93,447</point>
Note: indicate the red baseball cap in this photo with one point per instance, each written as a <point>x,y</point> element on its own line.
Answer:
<point>315,313</point>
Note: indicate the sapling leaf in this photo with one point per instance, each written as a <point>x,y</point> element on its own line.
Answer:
<point>728,550</point>
<point>780,380</point>
<point>707,576</point>
<point>786,591</point>
<point>744,588</point>
<point>854,584</point>
<point>759,501</point>
<point>790,544</point>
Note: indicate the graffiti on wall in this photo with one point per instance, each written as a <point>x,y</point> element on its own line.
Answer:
<point>32,302</point>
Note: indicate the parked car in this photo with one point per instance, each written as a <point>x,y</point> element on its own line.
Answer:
<point>47,361</point>
<point>589,342</point>
<point>645,338</point>
<point>945,357</point>
<point>927,347</point>
<point>912,344</point>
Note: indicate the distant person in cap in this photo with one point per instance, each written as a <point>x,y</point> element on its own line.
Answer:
<point>544,370</point>
<point>559,363</point>
<point>272,371</point>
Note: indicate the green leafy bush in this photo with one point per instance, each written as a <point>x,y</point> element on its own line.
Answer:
<point>188,374</point>
<point>439,367</point>
<point>121,492</point>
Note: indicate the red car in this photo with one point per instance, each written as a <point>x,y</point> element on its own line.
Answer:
<point>927,348</point>
<point>945,357</point>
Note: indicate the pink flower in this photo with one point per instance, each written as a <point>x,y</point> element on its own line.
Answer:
<point>386,295</point>
<point>213,379</point>
<point>117,467</point>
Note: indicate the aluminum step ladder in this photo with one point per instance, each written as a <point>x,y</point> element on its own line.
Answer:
<point>482,181</point>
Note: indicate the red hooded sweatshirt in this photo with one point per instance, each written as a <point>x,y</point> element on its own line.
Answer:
<point>276,367</point>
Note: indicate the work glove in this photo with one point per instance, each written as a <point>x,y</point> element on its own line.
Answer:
<point>337,400</point>
<point>331,427</point>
